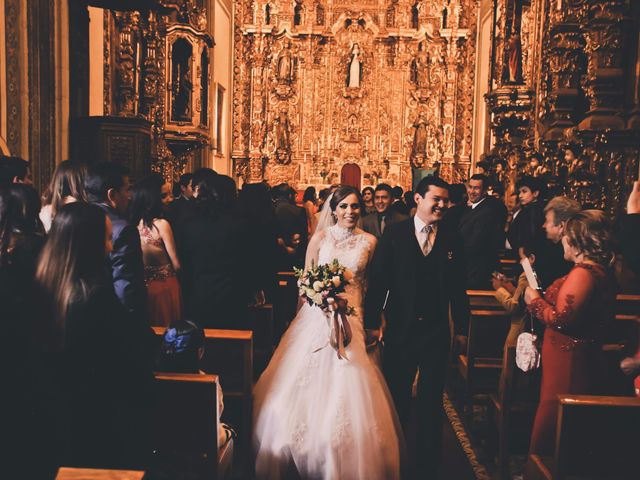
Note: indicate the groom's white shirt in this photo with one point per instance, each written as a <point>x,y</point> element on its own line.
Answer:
<point>421,236</point>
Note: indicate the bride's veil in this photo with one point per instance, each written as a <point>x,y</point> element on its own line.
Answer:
<point>326,218</point>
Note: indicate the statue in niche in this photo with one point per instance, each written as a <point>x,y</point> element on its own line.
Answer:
<point>420,67</point>
<point>283,144</point>
<point>181,81</point>
<point>285,64</point>
<point>513,46</point>
<point>319,14</point>
<point>415,15</point>
<point>419,149</point>
<point>354,69</point>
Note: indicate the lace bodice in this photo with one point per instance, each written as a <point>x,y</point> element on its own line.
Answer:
<point>352,248</point>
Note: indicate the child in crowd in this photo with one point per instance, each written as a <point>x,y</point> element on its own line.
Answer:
<point>182,350</point>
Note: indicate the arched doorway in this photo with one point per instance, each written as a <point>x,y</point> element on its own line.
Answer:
<point>350,175</point>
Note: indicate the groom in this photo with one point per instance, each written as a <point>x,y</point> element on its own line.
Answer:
<point>417,275</point>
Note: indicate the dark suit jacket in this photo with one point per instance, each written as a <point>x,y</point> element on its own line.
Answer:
<point>291,219</point>
<point>127,268</point>
<point>527,226</point>
<point>393,269</point>
<point>630,248</point>
<point>218,261</point>
<point>370,222</point>
<point>482,233</point>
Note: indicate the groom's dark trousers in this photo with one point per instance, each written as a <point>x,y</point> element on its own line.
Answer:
<point>421,290</point>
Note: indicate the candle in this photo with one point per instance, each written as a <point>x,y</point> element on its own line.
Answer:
<point>366,143</point>
<point>305,157</point>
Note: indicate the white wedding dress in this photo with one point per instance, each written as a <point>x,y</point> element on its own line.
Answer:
<point>316,414</point>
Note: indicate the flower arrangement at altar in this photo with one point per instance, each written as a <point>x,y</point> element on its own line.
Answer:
<point>321,286</point>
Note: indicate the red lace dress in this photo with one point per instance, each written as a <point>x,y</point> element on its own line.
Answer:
<point>163,290</point>
<point>576,310</point>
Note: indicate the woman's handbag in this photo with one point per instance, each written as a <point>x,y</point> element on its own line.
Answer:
<point>527,354</point>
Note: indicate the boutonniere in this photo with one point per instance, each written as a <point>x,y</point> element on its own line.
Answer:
<point>450,255</point>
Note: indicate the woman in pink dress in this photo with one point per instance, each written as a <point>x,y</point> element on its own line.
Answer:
<point>159,253</point>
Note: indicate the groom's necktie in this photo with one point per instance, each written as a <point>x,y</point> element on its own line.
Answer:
<point>428,242</point>
<point>382,223</point>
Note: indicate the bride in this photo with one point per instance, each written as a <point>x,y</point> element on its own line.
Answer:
<point>318,416</point>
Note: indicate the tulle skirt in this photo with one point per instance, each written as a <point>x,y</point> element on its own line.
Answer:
<point>164,300</point>
<point>321,416</point>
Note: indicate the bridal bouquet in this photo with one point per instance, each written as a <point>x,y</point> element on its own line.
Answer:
<point>320,285</point>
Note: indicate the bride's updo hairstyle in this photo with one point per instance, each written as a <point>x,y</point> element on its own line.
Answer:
<point>342,192</point>
<point>589,232</point>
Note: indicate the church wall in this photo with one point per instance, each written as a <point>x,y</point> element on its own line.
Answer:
<point>222,77</point>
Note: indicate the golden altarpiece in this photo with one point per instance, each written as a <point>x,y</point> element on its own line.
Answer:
<point>372,90</point>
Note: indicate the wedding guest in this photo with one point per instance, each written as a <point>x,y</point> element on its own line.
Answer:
<point>410,202</point>
<point>181,208</point>
<point>527,223</point>
<point>457,206</point>
<point>551,264</point>
<point>398,204</point>
<point>309,201</point>
<point>14,170</point>
<point>511,296</point>
<point>481,228</point>
<point>291,222</point>
<point>104,376</point>
<point>367,199</point>
<point>218,258</point>
<point>255,206</point>
<point>577,310</point>
<point>107,185</point>
<point>384,217</point>
<point>66,186</point>
<point>159,253</point>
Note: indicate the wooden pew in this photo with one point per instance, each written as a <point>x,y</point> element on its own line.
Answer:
<point>597,438</point>
<point>262,326</point>
<point>186,443</point>
<point>229,355</point>
<point>628,304</point>
<point>483,300</point>
<point>485,344</point>
<point>509,267</point>
<point>68,473</point>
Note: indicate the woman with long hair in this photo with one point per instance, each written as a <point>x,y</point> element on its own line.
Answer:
<point>309,202</point>
<point>367,199</point>
<point>576,310</point>
<point>159,253</point>
<point>66,186</point>
<point>101,374</point>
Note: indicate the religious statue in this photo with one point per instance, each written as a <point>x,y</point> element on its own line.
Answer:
<point>513,46</point>
<point>285,64</point>
<point>182,89</point>
<point>283,144</point>
<point>354,69</point>
<point>420,67</point>
<point>419,149</point>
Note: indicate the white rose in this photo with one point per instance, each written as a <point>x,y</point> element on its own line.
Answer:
<point>336,281</point>
<point>309,292</point>
<point>348,275</point>
<point>317,285</point>
<point>317,298</point>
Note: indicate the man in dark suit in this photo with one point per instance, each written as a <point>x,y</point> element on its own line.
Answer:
<point>416,276</point>
<point>375,224</point>
<point>107,185</point>
<point>292,227</point>
<point>481,228</point>
<point>182,207</point>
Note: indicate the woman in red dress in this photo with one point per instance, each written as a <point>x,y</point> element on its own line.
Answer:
<point>576,310</point>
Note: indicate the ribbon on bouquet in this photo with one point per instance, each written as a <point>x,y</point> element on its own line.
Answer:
<point>339,333</point>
